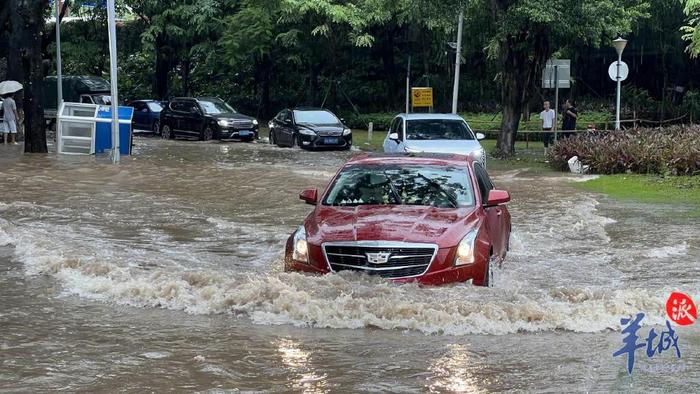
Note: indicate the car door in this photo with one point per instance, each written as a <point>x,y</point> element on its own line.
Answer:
<point>286,130</point>
<point>175,116</point>
<point>140,118</point>
<point>191,119</point>
<point>495,215</point>
<point>275,125</point>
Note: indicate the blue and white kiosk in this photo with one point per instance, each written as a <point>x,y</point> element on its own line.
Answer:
<point>86,129</point>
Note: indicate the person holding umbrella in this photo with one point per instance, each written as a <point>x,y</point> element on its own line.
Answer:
<point>11,117</point>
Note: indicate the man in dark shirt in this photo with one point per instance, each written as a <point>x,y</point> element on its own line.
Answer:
<point>569,118</point>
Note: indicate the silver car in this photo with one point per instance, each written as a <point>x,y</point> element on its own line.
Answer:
<point>435,133</point>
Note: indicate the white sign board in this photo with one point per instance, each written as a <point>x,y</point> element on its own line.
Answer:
<point>557,69</point>
<point>624,71</point>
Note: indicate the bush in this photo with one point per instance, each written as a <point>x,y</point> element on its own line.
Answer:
<point>672,150</point>
<point>381,121</point>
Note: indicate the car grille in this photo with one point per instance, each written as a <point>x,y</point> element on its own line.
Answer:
<point>241,123</point>
<point>396,260</point>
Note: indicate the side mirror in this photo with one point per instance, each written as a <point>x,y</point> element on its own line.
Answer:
<point>287,121</point>
<point>394,136</point>
<point>480,136</point>
<point>497,197</point>
<point>310,196</point>
<point>194,110</point>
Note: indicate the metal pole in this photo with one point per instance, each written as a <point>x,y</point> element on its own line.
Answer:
<point>458,60</point>
<point>112,28</point>
<point>619,88</point>
<point>556,101</point>
<point>59,76</point>
<point>408,82</point>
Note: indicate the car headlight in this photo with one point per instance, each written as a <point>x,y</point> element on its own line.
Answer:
<point>223,122</point>
<point>306,131</point>
<point>255,122</point>
<point>411,150</point>
<point>301,248</point>
<point>466,250</point>
<point>347,131</point>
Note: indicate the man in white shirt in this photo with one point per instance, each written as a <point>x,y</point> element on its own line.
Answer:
<point>10,116</point>
<point>549,122</point>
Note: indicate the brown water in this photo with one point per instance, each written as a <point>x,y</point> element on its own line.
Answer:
<point>165,273</point>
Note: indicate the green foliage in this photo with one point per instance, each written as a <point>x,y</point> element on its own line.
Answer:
<point>691,32</point>
<point>673,150</point>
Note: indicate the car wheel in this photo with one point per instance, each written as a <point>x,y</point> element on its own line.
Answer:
<point>207,134</point>
<point>166,133</point>
<point>272,139</point>
<point>297,142</point>
<point>156,127</point>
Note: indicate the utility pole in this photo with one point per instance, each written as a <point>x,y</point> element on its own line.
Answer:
<point>112,29</point>
<point>458,60</point>
<point>59,78</point>
<point>408,82</point>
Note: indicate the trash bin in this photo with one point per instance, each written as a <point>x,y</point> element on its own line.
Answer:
<point>103,129</point>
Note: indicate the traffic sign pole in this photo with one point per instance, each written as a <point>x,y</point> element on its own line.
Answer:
<point>619,88</point>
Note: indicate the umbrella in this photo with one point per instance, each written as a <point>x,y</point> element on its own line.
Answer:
<point>7,87</point>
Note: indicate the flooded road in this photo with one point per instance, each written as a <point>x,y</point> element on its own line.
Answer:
<point>165,273</point>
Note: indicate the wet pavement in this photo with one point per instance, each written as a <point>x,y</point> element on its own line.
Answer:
<point>165,273</point>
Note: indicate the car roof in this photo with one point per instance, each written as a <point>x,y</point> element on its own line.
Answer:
<point>310,109</point>
<point>430,116</point>
<point>411,158</point>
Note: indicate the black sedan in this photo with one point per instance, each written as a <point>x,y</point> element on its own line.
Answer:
<point>205,118</point>
<point>309,128</point>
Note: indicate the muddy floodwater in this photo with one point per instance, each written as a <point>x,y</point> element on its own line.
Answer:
<point>165,274</point>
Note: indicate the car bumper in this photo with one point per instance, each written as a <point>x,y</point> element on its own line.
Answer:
<point>245,134</point>
<point>316,141</point>
<point>440,271</point>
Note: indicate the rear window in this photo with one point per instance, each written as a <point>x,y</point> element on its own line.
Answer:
<point>437,129</point>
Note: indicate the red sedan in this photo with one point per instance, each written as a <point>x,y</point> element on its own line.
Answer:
<point>429,218</point>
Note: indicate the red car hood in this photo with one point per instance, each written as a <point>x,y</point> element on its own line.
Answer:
<point>403,223</point>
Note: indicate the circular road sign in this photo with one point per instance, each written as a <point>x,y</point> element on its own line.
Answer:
<point>624,71</point>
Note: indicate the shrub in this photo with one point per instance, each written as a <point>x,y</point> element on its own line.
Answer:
<point>672,150</point>
<point>381,121</point>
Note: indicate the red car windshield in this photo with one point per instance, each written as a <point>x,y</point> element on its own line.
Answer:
<point>428,185</point>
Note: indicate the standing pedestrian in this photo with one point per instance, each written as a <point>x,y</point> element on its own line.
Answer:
<point>548,124</point>
<point>10,117</point>
<point>569,118</point>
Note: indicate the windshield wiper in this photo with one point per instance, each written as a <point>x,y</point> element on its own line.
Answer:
<point>393,189</point>
<point>438,187</point>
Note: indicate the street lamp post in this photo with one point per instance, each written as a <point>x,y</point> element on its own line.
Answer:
<point>619,44</point>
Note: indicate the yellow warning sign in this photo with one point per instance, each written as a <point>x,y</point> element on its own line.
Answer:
<point>422,97</point>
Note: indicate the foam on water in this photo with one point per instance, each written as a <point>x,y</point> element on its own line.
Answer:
<point>334,301</point>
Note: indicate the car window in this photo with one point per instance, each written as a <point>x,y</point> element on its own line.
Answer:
<point>177,105</point>
<point>215,106</point>
<point>392,127</point>
<point>484,181</point>
<point>315,117</point>
<point>393,184</point>
<point>438,129</point>
<point>155,107</point>
<point>287,116</point>
<point>399,128</point>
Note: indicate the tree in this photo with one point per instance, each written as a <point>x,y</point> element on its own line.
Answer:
<point>692,30</point>
<point>528,32</point>
<point>26,22</point>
